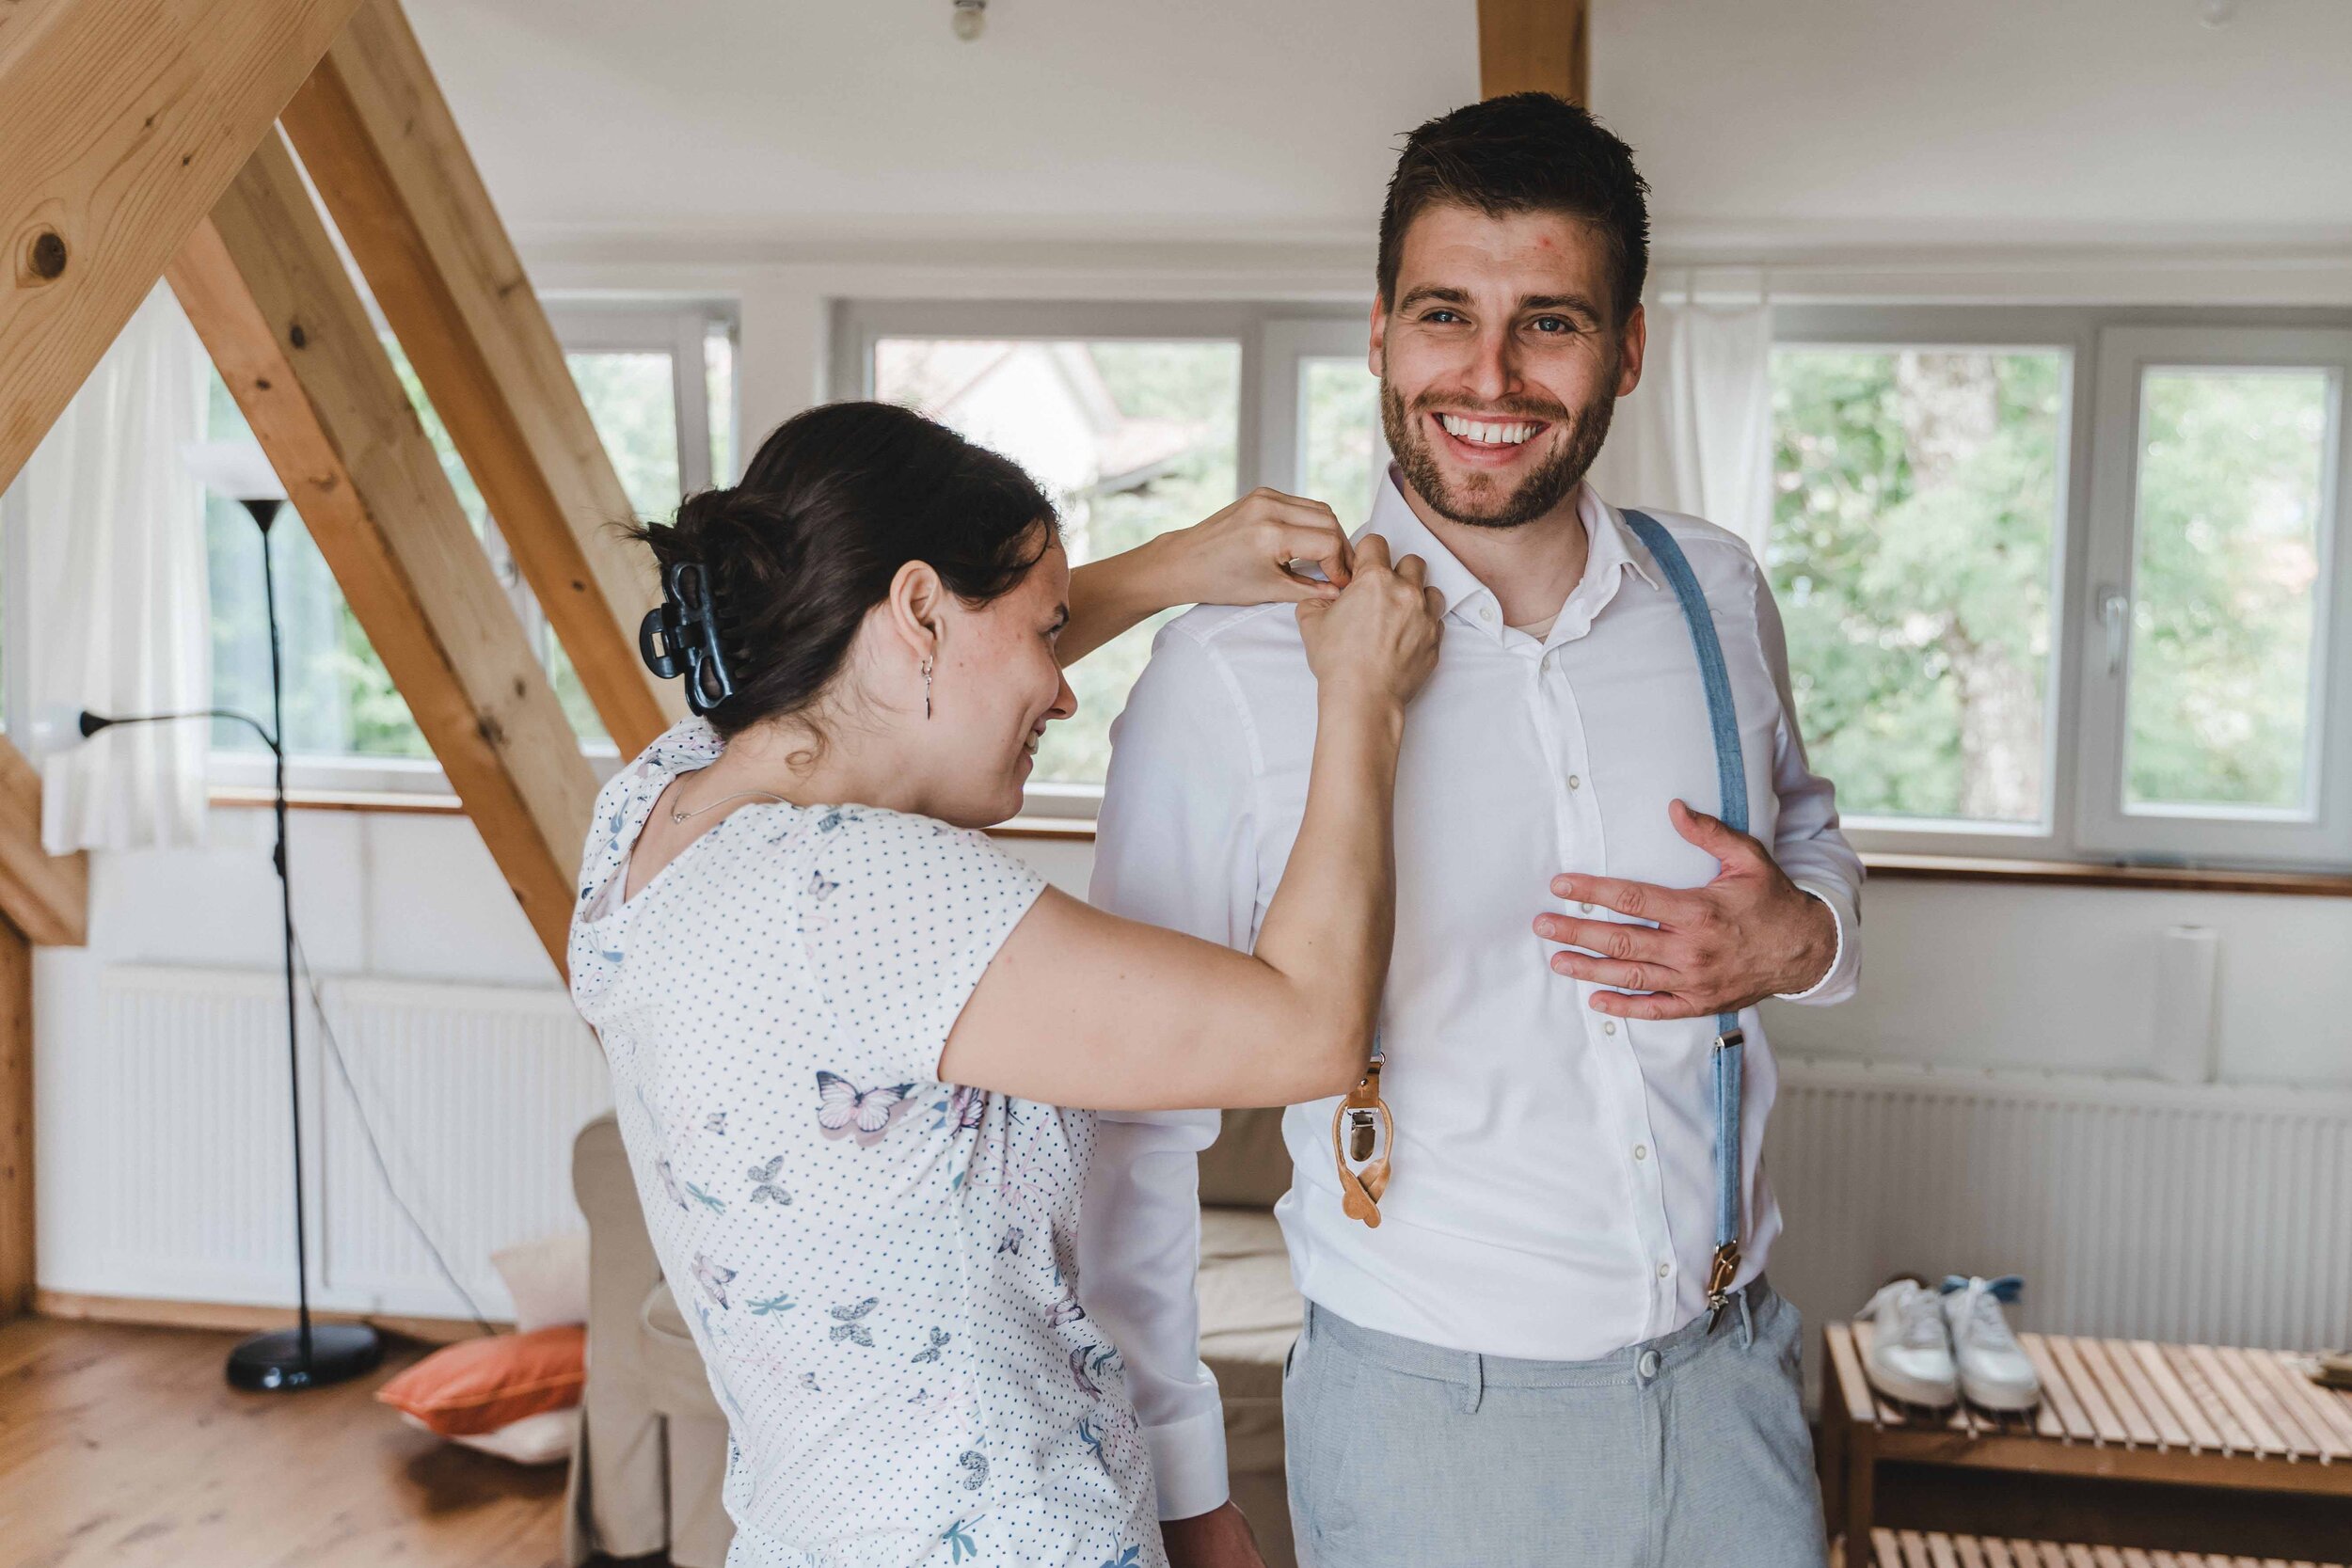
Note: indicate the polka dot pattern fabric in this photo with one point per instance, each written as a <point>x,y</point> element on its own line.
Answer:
<point>878,1268</point>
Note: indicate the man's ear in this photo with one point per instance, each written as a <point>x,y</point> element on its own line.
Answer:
<point>915,610</point>
<point>1632,343</point>
<point>1378,356</point>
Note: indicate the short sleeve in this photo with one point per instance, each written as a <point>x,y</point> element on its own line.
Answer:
<point>904,916</point>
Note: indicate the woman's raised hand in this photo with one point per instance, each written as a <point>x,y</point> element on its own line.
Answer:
<point>1241,554</point>
<point>1380,633</point>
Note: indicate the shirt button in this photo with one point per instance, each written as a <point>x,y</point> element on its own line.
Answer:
<point>1575,783</point>
<point>1665,1269</point>
<point>1547,664</point>
<point>1486,613</point>
<point>1640,1151</point>
<point>1649,1363</point>
<point>1586,908</point>
<point>1610,1027</point>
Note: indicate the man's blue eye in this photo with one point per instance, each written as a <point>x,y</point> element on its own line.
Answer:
<point>1548,323</point>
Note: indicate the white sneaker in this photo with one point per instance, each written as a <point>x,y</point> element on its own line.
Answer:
<point>1910,1349</point>
<point>1994,1372</point>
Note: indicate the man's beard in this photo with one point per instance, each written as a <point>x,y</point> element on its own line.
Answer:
<point>1536,495</point>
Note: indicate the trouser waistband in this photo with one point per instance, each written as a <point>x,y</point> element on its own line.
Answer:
<point>1633,1364</point>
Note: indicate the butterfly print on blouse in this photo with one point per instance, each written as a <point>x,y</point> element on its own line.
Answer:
<point>1091,1436</point>
<point>848,1322</point>
<point>930,1352</point>
<point>768,1307</point>
<point>963,1110</point>
<point>974,1464</point>
<point>670,1183</point>
<point>847,1111</point>
<point>713,1278</point>
<point>1124,1559</point>
<point>717,1122</point>
<point>1065,1313</point>
<point>1012,1243</point>
<point>822,887</point>
<point>764,1188</point>
<point>714,1205</point>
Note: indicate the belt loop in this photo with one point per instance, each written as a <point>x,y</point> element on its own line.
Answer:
<point>1747,1322</point>
<point>1474,1391</point>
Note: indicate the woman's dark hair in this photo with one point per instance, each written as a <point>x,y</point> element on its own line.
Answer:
<point>1524,152</point>
<point>836,500</point>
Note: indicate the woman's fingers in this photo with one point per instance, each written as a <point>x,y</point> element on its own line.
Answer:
<point>1322,544</point>
<point>1371,553</point>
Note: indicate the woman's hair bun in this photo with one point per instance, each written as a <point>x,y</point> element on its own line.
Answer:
<point>835,502</point>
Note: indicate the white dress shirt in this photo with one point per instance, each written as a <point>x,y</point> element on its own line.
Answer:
<point>1552,1193</point>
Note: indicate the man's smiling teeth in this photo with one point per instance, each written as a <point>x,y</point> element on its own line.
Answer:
<point>1486,433</point>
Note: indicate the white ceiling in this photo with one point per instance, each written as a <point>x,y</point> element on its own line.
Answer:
<point>1803,125</point>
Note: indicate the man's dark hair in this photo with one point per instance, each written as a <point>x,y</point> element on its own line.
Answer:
<point>1524,152</point>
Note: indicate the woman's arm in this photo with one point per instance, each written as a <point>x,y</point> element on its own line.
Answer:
<point>1084,1008</point>
<point>1241,555</point>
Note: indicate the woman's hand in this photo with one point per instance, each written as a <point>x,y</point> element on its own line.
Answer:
<point>1380,633</point>
<point>1242,555</point>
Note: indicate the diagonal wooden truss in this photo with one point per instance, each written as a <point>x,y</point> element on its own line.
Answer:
<point>139,139</point>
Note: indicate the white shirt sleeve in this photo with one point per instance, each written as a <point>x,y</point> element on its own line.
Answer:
<point>1807,844</point>
<point>1174,846</point>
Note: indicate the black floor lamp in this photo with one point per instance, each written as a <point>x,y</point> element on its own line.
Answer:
<point>309,1355</point>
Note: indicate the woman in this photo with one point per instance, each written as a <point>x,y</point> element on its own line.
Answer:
<point>840,1022</point>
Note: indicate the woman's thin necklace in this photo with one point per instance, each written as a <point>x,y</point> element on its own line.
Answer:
<point>677,815</point>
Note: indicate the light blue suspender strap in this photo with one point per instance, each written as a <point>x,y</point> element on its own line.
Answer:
<point>1732,780</point>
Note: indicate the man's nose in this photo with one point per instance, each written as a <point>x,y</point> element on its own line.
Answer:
<point>1491,372</point>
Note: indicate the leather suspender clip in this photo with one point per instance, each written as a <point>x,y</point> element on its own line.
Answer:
<point>1362,1126</point>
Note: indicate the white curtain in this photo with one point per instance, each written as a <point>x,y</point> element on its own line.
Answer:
<point>1697,436</point>
<point>117,604</point>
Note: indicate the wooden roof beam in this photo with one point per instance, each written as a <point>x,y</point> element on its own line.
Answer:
<point>386,155</point>
<point>1535,45</point>
<point>44,897</point>
<point>120,123</point>
<point>262,283</point>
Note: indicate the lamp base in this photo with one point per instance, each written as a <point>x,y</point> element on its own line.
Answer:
<point>274,1362</point>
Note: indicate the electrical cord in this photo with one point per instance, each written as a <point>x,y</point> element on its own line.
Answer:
<point>376,1150</point>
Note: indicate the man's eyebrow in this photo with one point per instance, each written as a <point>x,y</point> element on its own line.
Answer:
<point>1437,291</point>
<point>1560,302</point>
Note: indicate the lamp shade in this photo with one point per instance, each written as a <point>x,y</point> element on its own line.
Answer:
<point>239,471</point>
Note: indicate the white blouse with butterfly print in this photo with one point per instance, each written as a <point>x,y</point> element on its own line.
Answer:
<point>878,1268</point>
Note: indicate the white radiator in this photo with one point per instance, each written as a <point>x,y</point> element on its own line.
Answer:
<point>2207,1212</point>
<point>163,1150</point>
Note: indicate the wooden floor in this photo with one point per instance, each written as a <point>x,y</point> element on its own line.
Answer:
<point>124,1447</point>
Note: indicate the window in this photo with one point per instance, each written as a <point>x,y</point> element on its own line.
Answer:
<point>2215,688</point>
<point>1135,419</point>
<point>1916,524</point>
<point>1991,658</point>
<point>660,389</point>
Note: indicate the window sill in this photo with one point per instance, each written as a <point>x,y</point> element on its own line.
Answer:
<point>1926,868</point>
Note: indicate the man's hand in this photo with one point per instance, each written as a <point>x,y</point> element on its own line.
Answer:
<point>1219,1539</point>
<point>1749,934</point>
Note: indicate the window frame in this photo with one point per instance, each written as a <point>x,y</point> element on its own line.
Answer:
<point>2324,836</point>
<point>1274,338</point>
<point>2081,770</point>
<point>584,324</point>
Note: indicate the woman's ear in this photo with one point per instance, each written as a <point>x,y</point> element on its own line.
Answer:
<point>917,610</point>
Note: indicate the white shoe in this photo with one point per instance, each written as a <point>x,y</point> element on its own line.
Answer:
<point>1910,1349</point>
<point>1994,1372</point>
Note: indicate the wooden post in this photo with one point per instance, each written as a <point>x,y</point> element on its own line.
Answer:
<point>268,295</point>
<point>121,122</point>
<point>386,158</point>
<point>1534,46</point>
<point>44,897</point>
<point>16,1121</point>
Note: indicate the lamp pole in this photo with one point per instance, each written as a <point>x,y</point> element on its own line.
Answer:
<point>306,1355</point>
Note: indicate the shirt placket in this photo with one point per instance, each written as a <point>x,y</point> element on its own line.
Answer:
<point>1581,841</point>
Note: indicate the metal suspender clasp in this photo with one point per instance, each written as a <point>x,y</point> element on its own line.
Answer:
<point>1719,1278</point>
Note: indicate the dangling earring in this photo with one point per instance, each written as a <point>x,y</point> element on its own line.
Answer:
<point>927,688</point>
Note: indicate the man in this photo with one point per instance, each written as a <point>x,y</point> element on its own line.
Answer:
<point>1526,1360</point>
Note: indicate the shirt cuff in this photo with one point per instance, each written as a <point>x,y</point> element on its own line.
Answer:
<point>1834,974</point>
<point>1188,1462</point>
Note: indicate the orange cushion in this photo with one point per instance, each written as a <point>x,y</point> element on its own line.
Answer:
<point>478,1385</point>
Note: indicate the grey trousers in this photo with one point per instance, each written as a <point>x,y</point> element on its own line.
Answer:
<point>1690,1451</point>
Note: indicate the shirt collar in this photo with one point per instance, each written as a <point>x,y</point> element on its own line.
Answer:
<point>1613,550</point>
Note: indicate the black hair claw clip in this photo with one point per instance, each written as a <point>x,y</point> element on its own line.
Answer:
<point>681,638</point>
